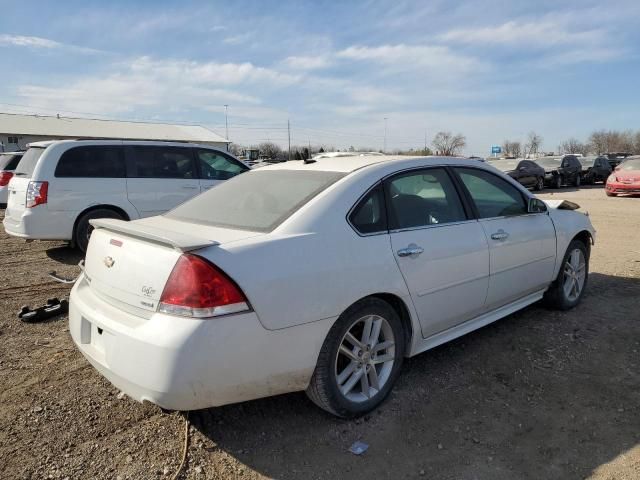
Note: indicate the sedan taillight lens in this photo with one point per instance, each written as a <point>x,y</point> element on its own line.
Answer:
<point>196,288</point>
<point>37,193</point>
<point>5,177</point>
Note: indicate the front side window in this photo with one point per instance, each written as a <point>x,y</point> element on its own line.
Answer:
<point>493,196</point>
<point>216,166</point>
<point>161,162</point>
<point>422,198</point>
<point>369,216</point>
<point>91,162</point>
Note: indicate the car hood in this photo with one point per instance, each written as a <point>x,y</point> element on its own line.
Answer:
<point>628,175</point>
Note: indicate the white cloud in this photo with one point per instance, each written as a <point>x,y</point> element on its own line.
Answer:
<point>307,62</point>
<point>441,60</point>
<point>238,39</point>
<point>25,41</point>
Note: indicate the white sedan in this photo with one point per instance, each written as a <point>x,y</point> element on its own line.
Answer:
<point>320,276</point>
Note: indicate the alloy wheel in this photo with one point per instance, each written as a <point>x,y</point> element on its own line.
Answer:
<point>574,275</point>
<point>365,358</point>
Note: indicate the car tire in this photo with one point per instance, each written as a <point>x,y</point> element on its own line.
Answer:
<point>539,184</point>
<point>557,181</point>
<point>83,228</point>
<point>577,181</point>
<point>337,384</point>
<point>567,289</point>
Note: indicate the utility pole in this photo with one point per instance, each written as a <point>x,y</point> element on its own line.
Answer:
<point>289,134</point>
<point>425,142</point>
<point>226,120</point>
<point>384,150</point>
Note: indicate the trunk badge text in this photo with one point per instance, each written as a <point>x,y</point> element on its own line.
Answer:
<point>148,291</point>
<point>108,261</point>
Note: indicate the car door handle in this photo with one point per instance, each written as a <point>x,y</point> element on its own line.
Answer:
<point>500,235</point>
<point>412,249</point>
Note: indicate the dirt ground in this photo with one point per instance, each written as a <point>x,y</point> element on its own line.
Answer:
<point>538,395</point>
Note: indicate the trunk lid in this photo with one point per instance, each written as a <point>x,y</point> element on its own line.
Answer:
<point>131,261</point>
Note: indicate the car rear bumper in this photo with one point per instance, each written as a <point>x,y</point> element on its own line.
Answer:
<point>40,223</point>
<point>186,364</point>
<point>623,188</point>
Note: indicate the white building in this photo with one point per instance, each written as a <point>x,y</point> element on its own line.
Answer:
<point>17,130</point>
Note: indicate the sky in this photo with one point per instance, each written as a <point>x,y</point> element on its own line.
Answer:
<point>491,70</point>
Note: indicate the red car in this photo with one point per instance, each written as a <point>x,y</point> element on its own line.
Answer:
<point>625,178</point>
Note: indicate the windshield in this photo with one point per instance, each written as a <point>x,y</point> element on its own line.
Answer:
<point>29,161</point>
<point>548,162</point>
<point>8,161</point>
<point>587,161</point>
<point>258,200</point>
<point>505,165</point>
<point>631,164</point>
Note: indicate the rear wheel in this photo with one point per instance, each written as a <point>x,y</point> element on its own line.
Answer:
<point>577,181</point>
<point>360,360</point>
<point>567,289</point>
<point>539,184</point>
<point>83,228</point>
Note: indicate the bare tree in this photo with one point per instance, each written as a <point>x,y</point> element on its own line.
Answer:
<point>534,142</point>
<point>599,141</point>
<point>270,150</point>
<point>636,143</point>
<point>448,144</point>
<point>609,141</point>
<point>512,149</point>
<point>573,145</point>
<point>236,149</point>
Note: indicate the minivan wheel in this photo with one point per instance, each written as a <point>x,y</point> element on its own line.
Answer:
<point>360,360</point>
<point>83,229</point>
<point>567,289</point>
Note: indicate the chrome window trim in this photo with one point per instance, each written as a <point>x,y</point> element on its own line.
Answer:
<point>437,225</point>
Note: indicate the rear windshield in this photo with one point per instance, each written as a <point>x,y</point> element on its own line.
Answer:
<point>28,163</point>
<point>258,201</point>
<point>9,161</point>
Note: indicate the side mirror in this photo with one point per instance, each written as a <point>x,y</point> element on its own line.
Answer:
<point>536,206</point>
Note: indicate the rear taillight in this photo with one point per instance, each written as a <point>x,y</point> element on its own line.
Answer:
<point>5,177</point>
<point>37,193</point>
<point>196,288</point>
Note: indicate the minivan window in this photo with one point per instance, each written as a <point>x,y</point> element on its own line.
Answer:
<point>29,160</point>
<point>161,162</point>
<point>217,166</point>
<point>258,200</point>
<point>91,162</point>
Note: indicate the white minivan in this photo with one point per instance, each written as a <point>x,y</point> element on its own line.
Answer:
<point>59,186</point>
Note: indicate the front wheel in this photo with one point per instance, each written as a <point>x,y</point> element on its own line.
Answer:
<point>557,181</point>
<point>360,360</point>
<point>577,181</point>
<point>83,228</point>
<point>567,289</point>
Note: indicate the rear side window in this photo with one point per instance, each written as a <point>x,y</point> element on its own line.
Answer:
<point>91,162</point>
<point>28,163</point>
<point>493,196</point>
<point>9,161</point>
<point>217,166</point>
<point>370,216</point>
<point>160,162</point>
<point>423,197</point>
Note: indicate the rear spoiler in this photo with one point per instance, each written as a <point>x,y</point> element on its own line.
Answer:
<point>177,240</point>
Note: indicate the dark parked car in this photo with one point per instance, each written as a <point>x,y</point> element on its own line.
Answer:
<point>595,169</point>
<point>527,172</point>
<point>561,171</point>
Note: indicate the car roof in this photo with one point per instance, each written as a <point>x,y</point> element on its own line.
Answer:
<point>353,163</point>
<point>97,142</point>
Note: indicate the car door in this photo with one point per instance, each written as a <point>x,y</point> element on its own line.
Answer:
<point>441,251</point>
<point>522,245</point>
<point>527,175</point>
<point>160,177</point>
<point>215,167</point>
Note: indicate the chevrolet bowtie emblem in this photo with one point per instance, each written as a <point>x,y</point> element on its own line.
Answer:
<point>108,261</point>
